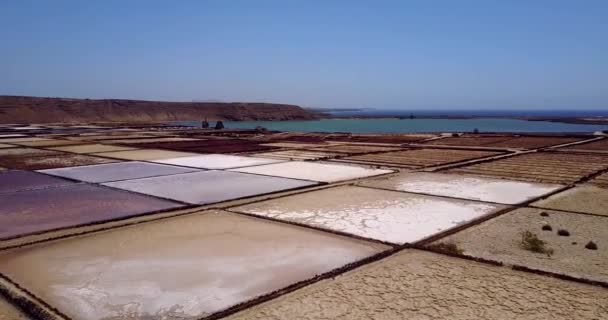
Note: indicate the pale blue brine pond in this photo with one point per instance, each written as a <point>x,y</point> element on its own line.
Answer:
<point>411,125</point>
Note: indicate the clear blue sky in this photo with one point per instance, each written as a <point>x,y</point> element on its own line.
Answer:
<point>385,54</point>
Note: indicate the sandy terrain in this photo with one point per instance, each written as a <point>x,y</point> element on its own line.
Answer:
<point>586,198</point>
<point>426,286</point>
<point>499,239</point>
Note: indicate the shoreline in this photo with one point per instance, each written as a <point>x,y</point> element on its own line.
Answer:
<point>570,120</point>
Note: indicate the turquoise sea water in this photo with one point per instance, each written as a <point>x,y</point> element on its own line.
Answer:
<point>412,125</point>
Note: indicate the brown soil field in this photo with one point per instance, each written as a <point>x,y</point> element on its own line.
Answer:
<point>421,285</point>
<point>418,158</point>
<point>550,167</point>
<point>500,239</point>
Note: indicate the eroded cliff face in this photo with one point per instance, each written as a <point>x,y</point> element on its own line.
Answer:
<point>20,109</point>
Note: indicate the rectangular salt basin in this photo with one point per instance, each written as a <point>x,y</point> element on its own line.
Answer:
<point>500,239</point>
<point>465,187</point>
<point>36,211</point>
<point>314,171</point>
<point>180,268</point>
<point>587,199</point>
<point>209,186</point>
<point>50,162</point>
<point>217,161</point>
<point>144,154</point>
<point>91,148</point>
<point>17,180</point>
<point>387,216</point>
<point>117,171</point>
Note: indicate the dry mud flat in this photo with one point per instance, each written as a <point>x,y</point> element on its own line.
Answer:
<point>417,158</point>
<point>420,285</point>
<point>180,268</point>
<point>587,199</point>
<point>550,167</point>
<point>463,186</point>
<point>500,239</point>
<point>387,216</point>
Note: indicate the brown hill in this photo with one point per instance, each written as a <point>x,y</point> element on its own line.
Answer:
<point>20,109</point>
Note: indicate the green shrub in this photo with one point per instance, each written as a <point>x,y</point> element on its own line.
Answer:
<point>530,242</point>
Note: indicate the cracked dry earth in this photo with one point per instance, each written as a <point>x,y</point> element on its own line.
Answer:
<point>426,286</point>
